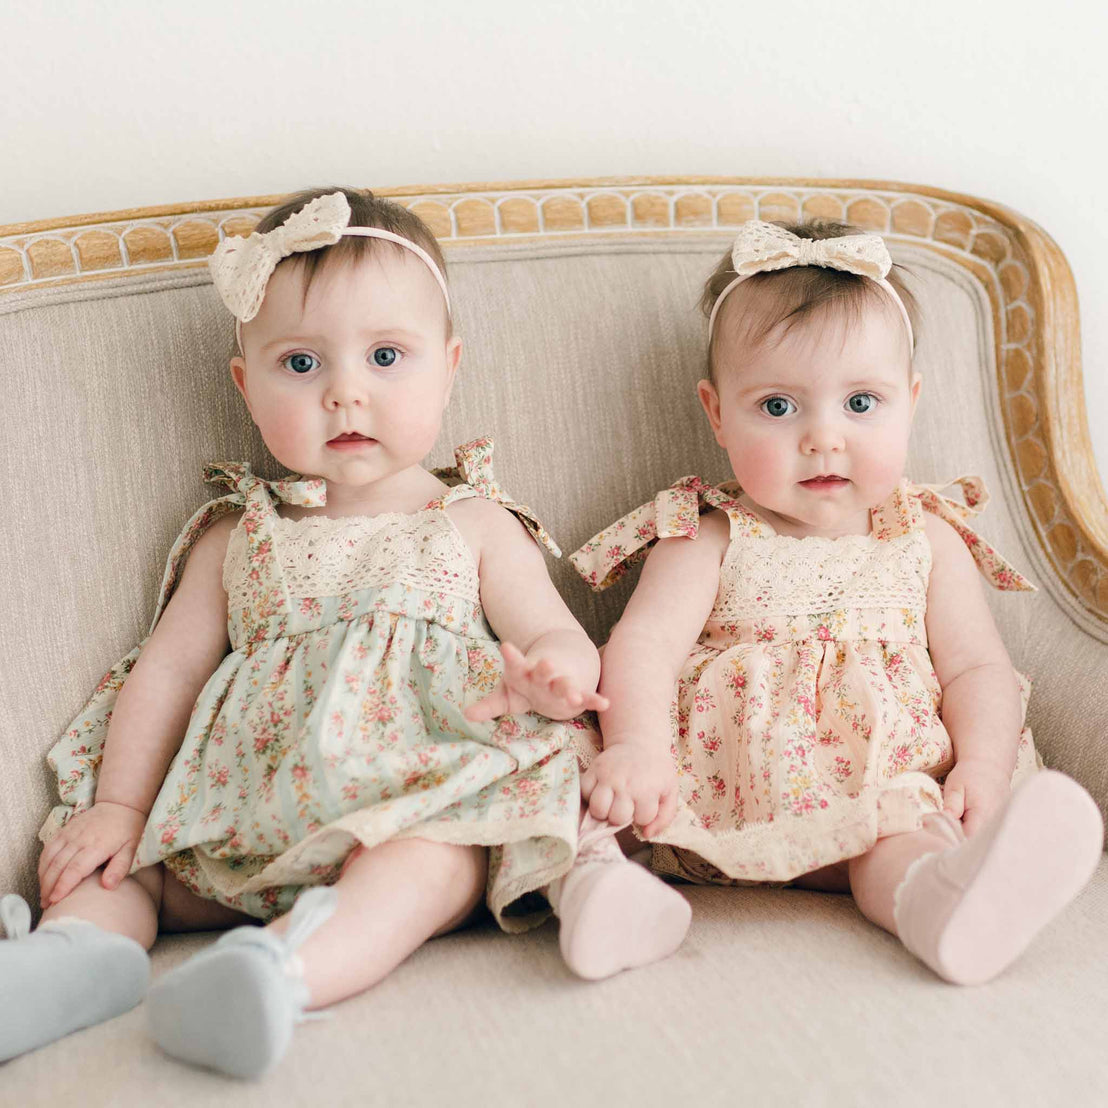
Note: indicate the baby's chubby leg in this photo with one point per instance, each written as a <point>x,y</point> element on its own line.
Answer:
<point>392,899</point>
<point>969,908</point>
<point>233,1007</point>
<point>87,960</point>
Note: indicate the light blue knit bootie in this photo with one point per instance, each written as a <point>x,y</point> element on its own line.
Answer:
<point>66,975</point>
<point>233,1006</point>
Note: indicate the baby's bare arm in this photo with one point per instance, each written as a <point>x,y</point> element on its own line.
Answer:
<point>148,722</point>
<point>981,699</point>
<point>634,777</point>
<point>550,665</point>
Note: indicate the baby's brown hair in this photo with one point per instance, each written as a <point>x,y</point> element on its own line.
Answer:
<point>366,210</point>
<point>779,299</point>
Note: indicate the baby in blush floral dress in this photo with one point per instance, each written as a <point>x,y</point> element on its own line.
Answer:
<point>322,730</point>
<point>807,686</point>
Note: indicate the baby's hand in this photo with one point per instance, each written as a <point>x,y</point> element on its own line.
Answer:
<point>105,831</point>
<point>975,791</point>
<point>533,687</point>
<point>632,782</point>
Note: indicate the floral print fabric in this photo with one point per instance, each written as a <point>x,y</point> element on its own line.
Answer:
<point>805,728</point>
<point>337,720</point>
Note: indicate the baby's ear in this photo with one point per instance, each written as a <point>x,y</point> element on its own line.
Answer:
<point>709,399</point>
<point>238,375</point>
<point>453,357</point>
<point>913,389</point>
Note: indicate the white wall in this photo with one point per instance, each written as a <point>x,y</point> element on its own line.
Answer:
<point>127,104</point>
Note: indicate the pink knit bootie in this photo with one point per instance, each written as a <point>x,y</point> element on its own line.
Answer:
<point>970,911</point>
<point>614,914</point>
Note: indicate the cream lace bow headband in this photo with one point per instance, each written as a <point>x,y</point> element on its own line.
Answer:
<point>763,247</point>
<point>241,267</point>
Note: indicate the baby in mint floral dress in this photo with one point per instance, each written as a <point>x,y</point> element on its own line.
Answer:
<point>322,729</point>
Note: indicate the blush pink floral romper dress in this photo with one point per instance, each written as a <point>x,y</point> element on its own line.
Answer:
<point>807,719</point>
<point>336,719</point>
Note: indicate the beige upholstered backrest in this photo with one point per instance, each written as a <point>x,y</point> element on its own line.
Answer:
<point>582,351</point>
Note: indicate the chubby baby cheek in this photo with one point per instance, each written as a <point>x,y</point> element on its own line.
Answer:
<point>278,429</point>
<point>883,469</point>
<point>757,465</point>
<point>417,425</point>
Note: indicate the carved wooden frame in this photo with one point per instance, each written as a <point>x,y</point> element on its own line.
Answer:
<point>1022,271</point>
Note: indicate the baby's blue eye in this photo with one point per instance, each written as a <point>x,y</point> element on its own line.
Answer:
<point>862,402</point>
<point>778,406</point>
<point>386,356</point>
<point>300,363</point>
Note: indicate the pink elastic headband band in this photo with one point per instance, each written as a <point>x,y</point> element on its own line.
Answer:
<point>388,236</point>
<point>880,282</point>
<point>762,247</point>
<point>415,248</point>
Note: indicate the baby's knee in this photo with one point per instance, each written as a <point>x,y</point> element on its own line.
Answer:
<point>450,873</point>
<point>462,870</point>
<point>473,864</point>
<point>449,861</point>
<point>460,879</point>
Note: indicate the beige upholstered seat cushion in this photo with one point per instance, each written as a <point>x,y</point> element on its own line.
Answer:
<point>778,997</point>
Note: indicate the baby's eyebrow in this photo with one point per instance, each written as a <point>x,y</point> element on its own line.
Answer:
<point>772,386</point>
<point>877,379</point>
<point>401,333</point>
<point>291,340</point>
<point>374,334</point>
<point>868,379</point>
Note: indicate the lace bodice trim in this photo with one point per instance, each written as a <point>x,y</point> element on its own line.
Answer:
<point>778,575</point>
<point>368,550</point>
<point>319,556</point>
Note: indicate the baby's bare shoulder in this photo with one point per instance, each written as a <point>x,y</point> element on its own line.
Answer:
<point>715,526</point>
<point>478,508</point>
<point>488,527</point>
<point>483,518</point>
<point>691,562</point>
<point>218,533</point>
<point>713,535</point>
<point>948,548</point>
<point>208,552</point>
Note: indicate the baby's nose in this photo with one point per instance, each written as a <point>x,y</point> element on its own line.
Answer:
<point>346,388</point>
<point>822,437</point>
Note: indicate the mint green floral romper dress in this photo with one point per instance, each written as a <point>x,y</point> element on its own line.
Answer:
<point>337,717</point>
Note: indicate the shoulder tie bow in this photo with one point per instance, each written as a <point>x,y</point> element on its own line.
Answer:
<point>674,512</point>
<point>903,512</point>
<point>308,492</point>
<point>472,475</point>
<point>993,567</point>
<point>246,490</point>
